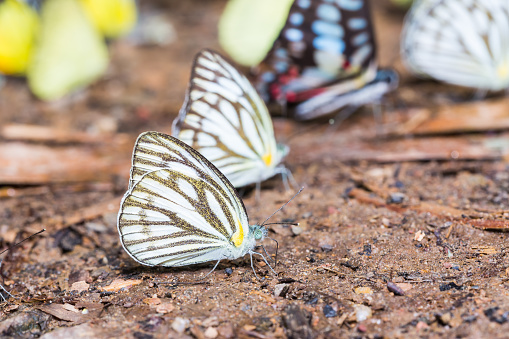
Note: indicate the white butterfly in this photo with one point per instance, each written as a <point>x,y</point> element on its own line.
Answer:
<point>461,42</point>
<point>225,120</point>
<point>185,212</point>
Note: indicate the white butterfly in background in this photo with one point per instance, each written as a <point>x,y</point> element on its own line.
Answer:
<point>185,212</point>
<point>461,42</point>
<point>224,119</point>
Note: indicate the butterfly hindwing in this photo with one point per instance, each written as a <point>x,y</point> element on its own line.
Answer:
<point>179,209</point>
<point>225,119</point>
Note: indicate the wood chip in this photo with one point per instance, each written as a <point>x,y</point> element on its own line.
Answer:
<point>483,115</point>
<point>30,164</point>
<point>492,225</point>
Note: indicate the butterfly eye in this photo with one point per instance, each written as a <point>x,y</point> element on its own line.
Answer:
<point>258,234</point>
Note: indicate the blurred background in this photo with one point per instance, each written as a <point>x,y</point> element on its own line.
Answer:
<point>82,78</point>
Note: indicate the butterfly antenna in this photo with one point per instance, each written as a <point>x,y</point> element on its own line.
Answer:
<point>283,223</point>
<point>280,208</point>
<point>11,247</point>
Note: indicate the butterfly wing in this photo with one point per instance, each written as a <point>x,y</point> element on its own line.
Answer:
<point>322,42</point>
<point>69,53</point>
<point>183,213</point>
<point>247,29</point>
<point>227,122</point>
<point>462,42</point>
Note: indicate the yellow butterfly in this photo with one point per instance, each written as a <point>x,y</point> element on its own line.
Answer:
<point>70,53</point>
<point>18,26</point>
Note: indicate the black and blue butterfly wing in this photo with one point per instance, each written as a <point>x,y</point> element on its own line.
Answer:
<point>322,42</point>
<point>325,51</point>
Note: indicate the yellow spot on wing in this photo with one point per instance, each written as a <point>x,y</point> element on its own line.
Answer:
<point>503,70</point>
<point>238,237</point>
<point>267,159</point>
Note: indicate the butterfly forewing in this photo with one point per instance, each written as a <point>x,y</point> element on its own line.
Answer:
<point>463,42</point>
<point>179,209</point>
<point>227,122</point>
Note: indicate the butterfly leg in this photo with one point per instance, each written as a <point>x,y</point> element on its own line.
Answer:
<point>480,94</point>
<point>343,114</point>
<point>284,177</point>
<point>258,189</point>
<point>212,270</point>
<point>3,289</point>
<point>267,254</point>
<point>7,292</point>
<point>264,259</point>
<point>377,115</point>
<point>252,266</point>
<point>287,177</point>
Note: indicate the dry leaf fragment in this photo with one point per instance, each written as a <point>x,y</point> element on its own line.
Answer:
<point>61,312</point>
<point>152,301</point>
<point>70,307</point>
<point>80,286</point>
<point>405,286</point>
<point>363,290</point>
<point>118,284</point>
<point>165,307</point>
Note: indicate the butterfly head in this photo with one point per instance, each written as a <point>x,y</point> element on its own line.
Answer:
<point>282,151</point>
<point>258,232</point>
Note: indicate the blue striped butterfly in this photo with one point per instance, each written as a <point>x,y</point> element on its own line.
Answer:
<point>185,212</point>
<point>225,120</point>
<point>461,42</point>
<point>324,59</point>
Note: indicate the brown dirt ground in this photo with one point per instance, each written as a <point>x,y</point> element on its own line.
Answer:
<point>354,237</point>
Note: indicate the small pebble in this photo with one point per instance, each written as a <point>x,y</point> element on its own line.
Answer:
<point>326,247</point>
<point>228,271</point>
<point>280,290</point>
<point>210,322</point>
<point>445,318</point>
<point>329,312</point>
<point>421,325</point>
<point>362,328</point>
<point>226,330</point>
<point>179,325</point>
<point>296,230</point>
<point>211,333</point>
<point>362,312</point>
<point>396,198</point>
<point>307,215</point>
<point>392,287</point>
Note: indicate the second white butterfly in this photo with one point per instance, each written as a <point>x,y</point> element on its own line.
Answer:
<point>224,119</point>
